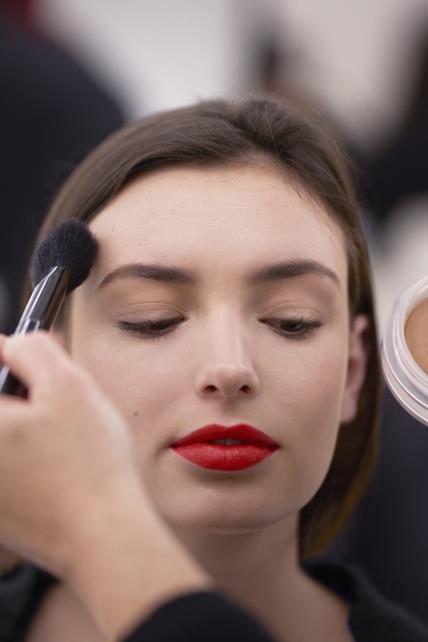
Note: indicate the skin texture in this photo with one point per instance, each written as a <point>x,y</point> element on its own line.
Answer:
<point>416,334</point>
<point>225,364</point>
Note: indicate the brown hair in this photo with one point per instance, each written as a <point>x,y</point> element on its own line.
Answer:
<point>246,130</point>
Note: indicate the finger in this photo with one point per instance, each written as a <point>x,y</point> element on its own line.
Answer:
<point>3,338</point>
<point>12,411</point>
<point>34,358</point>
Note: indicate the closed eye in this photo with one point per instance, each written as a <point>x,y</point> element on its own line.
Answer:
<point>150,329</point>
<point>295,328</point>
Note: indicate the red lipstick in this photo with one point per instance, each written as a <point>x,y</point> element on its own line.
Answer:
<point>198,448</point>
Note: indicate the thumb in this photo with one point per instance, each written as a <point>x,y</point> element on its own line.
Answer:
<point>34,358</point>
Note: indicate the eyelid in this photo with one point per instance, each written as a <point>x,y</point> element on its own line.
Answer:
<point>149,329</point>
<point>148,323</point>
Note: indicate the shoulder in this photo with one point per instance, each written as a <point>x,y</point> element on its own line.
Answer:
<point>372,616</point>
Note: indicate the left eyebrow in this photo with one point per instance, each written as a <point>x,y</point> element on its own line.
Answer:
<point>268,273</point>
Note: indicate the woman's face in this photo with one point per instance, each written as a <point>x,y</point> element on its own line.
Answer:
<point>226,359</point>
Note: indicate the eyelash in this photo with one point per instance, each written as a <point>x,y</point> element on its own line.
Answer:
<point>156,329</point>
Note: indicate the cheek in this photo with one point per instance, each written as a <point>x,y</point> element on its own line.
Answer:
<point>144,392</point>
<point>313,405</point>
<point>318,382</point>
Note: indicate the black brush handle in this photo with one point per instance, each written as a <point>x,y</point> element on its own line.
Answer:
<point>40,312</point>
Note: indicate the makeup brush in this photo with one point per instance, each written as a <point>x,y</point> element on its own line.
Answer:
<point>60,263</point>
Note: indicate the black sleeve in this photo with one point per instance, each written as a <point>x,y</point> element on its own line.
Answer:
<point>205,616</point>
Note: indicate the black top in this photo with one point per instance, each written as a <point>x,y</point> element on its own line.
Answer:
<point>210,616</point>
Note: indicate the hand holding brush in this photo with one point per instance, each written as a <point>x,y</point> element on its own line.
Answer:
<point>61,262</point>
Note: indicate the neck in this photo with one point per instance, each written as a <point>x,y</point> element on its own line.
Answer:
<point>260,571</point>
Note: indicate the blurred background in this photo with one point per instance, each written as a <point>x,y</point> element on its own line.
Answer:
<point>72,71</point>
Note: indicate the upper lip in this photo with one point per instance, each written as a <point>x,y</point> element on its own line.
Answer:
<point>244,432</point>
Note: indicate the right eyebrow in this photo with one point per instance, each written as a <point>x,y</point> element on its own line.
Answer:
<point>265,274</point>
<point>162,273</point>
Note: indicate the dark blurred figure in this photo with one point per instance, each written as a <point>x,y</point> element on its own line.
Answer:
<point>274,66</point>
<point>52,113</point>
<point>18,11</point>
<point>400,169</point>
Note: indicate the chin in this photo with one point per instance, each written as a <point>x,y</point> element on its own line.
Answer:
<point>220,517</point>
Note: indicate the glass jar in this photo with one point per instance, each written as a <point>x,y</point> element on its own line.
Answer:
<point>407,381</point>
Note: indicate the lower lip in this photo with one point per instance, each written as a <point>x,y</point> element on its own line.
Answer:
<point>220,457</point>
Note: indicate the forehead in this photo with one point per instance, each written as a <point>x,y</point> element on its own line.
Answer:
<point>216,219</point>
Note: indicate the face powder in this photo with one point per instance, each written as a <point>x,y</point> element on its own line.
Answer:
<point>416,334</point>
<point>404,350</point>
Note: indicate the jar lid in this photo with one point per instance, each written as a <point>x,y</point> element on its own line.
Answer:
<point>407,381</point>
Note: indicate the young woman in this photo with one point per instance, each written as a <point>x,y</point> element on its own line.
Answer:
<point>231,288</point>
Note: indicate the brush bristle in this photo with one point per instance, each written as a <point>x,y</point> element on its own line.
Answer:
<point>70,245</point>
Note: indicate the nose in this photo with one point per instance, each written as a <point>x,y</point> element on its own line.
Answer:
<point>226,372</point>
